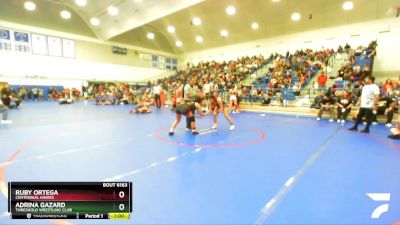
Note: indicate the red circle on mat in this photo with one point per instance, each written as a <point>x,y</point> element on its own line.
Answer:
<point>261,137</point>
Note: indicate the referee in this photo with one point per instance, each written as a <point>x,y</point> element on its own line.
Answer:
<point>368,103</point>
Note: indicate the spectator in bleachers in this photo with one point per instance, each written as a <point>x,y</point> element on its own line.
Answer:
<point>326,104</point>
<point>347,48</point>
<point>340,73</point>
<point>266,98</point>
<point>344,103</point>
<point>340,49</point>
<point>253,94</point>
<point>322,79</point>
<point>392,105</point>
<point>387,87</point>
<point>296,89</point>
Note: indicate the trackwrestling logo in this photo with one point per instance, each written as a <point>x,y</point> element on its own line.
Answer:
<point>379,197</point>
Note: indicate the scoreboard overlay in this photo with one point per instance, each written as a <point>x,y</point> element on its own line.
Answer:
<point>70,200</point>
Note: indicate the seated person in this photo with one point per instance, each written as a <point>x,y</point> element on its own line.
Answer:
<point>296,89</point>
<point>15,101</point>
<point>395,131</point>
<point>317,101</point>
<point>125,98</point>
<point>344,103</point>
<point>392,104</point>
<point>143,106</point>
<point>327,104</point>
<point>266,98</point>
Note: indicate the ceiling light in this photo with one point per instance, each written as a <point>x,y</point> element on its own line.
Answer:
<point>81,2</point>
<point>95,21</point>
<point>276,0</point>
<point>199,39</point>
<point>196,21</point>
<point>230,10</point>
<point>65,14</point>
<point>138,1</point>
<point>254,26</point>
<point>150,35</point>
<point>112,10</point>
<point>224,33</point>
<point>348,5</point>
<point>30,6</point>
<point>296,16</point>
<point>171,29</point>
<point>178,43</point>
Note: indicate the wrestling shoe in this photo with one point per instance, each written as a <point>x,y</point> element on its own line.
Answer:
<point>354,128</point>
<point>6,122</point>
<point>394,136</point>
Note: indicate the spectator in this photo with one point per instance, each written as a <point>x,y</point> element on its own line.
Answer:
<point>156,92</point>
<point>326,104</point>
<point>322,79</point>
<point>344,103</point>
<point>5,101</point>
<point>317,101</point>
<point>266,99</point>
<point>387,87</point>
<point>395,131</point>
<point>392,104</point>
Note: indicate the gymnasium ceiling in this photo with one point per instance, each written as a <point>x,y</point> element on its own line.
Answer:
<point>136,18</point>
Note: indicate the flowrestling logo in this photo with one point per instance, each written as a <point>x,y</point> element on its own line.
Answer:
<point>384,207</point>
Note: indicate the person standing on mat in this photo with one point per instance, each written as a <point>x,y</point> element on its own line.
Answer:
<point>368,103</point>
<point>217,105</point>
<point>188,110</point>
<point>5,101</point>
<point>156,91</point>
<point>188,95</point>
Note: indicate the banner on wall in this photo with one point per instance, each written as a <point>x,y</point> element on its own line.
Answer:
<point>39,44</point>
<point>68,47</point>
<point>4,34</point>
<point>21,37</point>
<point>21,41</point>
<point>5,42</point>
<point>55,46</point>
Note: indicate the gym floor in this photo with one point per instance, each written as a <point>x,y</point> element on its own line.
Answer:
<point>272,169</point>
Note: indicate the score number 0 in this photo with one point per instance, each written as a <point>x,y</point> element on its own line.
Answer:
<point>121,206</point>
